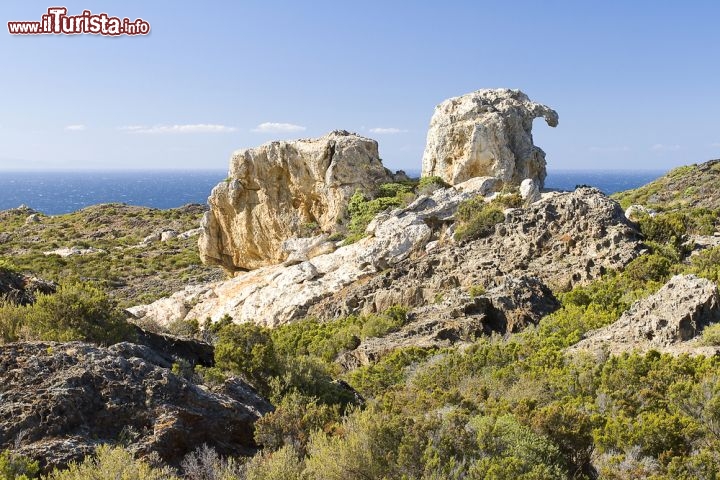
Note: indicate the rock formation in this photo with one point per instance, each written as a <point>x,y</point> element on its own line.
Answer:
<point>486,133</point>
<point>279,189</point>
<point>59,401</point>
<point>461,317</point>
<point>675,314</point>
<point>562,240</point>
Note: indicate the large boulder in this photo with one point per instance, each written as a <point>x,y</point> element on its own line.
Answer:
<point>281,189</point>
<point>676,314</point>
<point>59,401</point>
<point>486,133</point>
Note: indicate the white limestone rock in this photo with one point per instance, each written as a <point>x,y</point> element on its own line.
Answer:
<point>486,133</point>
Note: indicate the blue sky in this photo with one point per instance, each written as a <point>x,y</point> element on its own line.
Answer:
<point>636,84</point>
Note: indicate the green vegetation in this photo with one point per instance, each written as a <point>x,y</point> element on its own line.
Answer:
<point>692,186</point>
<point>132,273</point>
<point>361,210</point>
<point>17,467</point>
<point>477,218</point>
<point>427,185</point>
<point>77,311</point>
<point>112,463</point>
<point>514,407</point>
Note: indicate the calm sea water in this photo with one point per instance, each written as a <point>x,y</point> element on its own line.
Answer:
<point>62,192</point>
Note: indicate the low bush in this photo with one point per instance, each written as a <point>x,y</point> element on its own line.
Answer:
<point>17,467</point>
<point>77,311</point>
<point>112,463</point>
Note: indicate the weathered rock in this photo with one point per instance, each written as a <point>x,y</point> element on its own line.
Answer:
<point>166,235</point>
<point>486,133</point>
<point>22,289</point>
<point>170,348</point>
<point>190,233</point>
<point>529,191</point>
<point>675,314</point>
<point>73,251</point>
<point>458,317</point>
<point>281,293</point>
<point>275,190</point>
<point>33,218</point>
<point>59,401</point>
<point>563,240</point>
<point>634,212</point>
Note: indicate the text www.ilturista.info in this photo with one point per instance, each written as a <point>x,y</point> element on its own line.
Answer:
<point>57,22</point>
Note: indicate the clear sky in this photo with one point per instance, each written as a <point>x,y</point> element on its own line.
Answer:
<point>636,84</point>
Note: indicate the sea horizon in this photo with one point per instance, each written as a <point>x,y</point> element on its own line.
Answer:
<point>64,191</point>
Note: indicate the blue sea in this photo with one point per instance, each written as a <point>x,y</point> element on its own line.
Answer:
<point>54,193</point>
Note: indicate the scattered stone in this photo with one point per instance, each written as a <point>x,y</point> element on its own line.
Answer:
<point>166,235</point>
<point>190,233</point>
<point>634,212</point>
<point>32,218</point>
<point>72,251</point>
<point>529,191</point>
<point>486,133</point>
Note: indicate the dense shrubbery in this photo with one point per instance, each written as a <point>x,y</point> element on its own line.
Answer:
<point>77,311</point>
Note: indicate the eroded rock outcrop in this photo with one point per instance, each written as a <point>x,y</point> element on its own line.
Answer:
<point>486,133</point>
<point>59,401</point>
<point>461,317</point>
<point>282,293</point>
<point>279,189</point>
<point>666,321</point>
<point>562,240</point>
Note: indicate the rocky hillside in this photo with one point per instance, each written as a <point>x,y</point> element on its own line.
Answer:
<point>692,186</point>
<point>138,253</point>
<point>469,325</point>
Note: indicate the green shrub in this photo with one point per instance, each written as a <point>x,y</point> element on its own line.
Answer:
<point>112,463</point>
<point>77,311</point>
<point>361,210</point>
<point>427,185</point>
<point>665,228</point>
<point>292,422</point>
<point>17,467</point>
<point>476,291</point>
<point>707,264</point>
<point>651,267</point>
<point>711,335</point>
<point>283,464</point>
<point>476,219</point>
<point>247,350</point>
